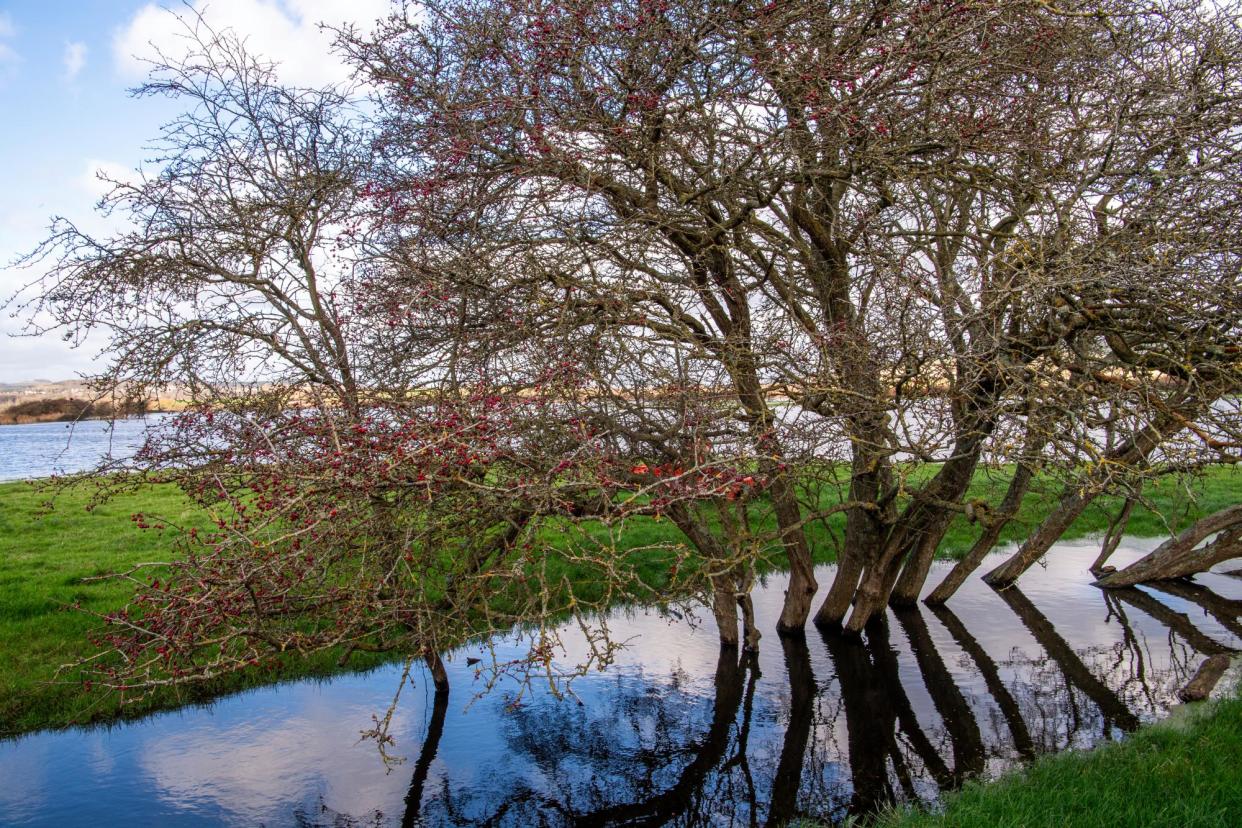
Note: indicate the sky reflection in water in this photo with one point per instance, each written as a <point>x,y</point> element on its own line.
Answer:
<point>673,734</point>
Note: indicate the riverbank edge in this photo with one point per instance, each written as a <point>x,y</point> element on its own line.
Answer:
<point>1182,770</point>
<point>60,704</point>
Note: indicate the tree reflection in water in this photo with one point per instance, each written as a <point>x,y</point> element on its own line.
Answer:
<point>857,724</point>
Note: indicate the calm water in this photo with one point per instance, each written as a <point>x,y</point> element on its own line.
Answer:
<point>44,449</point>
<point>675,733</point>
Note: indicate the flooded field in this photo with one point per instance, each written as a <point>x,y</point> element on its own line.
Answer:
<point>677,732</point>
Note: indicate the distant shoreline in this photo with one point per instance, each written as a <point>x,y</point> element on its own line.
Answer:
<point>74,409</point>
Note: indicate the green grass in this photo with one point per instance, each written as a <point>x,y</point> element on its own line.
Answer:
<point>46,560</point>
<point>1183,772</point>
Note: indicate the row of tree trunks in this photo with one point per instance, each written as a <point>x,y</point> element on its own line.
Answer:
<point>919,530</point>
<point>1127,455</point>
<point>1182,555</point>
<point>993,526</point>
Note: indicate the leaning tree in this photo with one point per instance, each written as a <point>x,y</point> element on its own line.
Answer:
<point>382,450</point>
<point>906,239</point>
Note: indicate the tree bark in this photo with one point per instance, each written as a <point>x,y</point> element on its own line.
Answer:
<point>439,675</point>
<point>1179,556</point>
<point>724,608</point>
<point>802,583</point>
<point>1205,678</point>
<point>864,535</point>
<point>962,570</point>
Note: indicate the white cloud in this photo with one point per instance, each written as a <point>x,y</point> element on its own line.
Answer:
<point>74,59</point>
<point>287,32</point>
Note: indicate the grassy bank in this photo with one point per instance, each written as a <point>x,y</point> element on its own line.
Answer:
<point>47,561</point>
<point>1183,772</point>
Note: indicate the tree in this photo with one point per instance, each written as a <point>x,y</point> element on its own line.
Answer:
<point>744,266</point>
<point>386,469</point>
<point>920,226</point>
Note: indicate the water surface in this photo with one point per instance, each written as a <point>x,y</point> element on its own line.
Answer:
<point>676,732</point>
<point>33,450</point>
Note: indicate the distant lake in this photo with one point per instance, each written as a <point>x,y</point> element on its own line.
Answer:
<point>43,449</point>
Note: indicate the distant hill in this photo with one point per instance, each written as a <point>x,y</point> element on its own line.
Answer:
<point>47,401</point>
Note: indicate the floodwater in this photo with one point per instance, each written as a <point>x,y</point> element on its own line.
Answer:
<point>44,449</point>
<point>676,732</point>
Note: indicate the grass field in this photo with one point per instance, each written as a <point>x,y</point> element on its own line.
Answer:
<point>1182,773</point>
<point>48,558</point>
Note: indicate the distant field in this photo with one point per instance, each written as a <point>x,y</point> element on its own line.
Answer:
<point>46,557</point>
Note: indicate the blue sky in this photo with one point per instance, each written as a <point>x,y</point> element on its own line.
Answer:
<point>65,70</point>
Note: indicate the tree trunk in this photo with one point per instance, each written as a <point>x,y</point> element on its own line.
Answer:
<point>864,536</point>
<point>1049,532</point>
<point>1112,538</point>
<point>924,520</point>
<point>439,676</point>
<point>724,584</point>
<point>962,570</point>
<point>802,583</point>
<point>918,564</point>
<point>1129,454</point>
<point>724,608</point>
<point>750,631</point>
<point>1179,556</point>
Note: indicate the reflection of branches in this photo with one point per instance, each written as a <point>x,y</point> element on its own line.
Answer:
<point>952,706</point>
<point>1177,622</point>
<point>991,678</point>
<point>1071,665</point>
<point>1130,645</point>
<point>647,752</point>
<point>1226,611</point>
<point>675,799</point>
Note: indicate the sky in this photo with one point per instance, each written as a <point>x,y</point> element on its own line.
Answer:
<point>66,68</point>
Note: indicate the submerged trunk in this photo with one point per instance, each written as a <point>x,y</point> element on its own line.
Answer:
<point>864,535</point>
<point>1180,556</point>
<point>962,570</point>
<point>750,630</point>
<point>802,583</point>
<point>729,593</point>
<point>439,675</point>
<point>1130,454</point>
<point>724,608</point>
<point>919,530</point>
